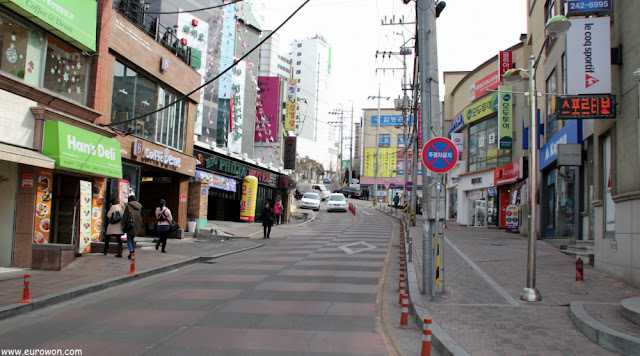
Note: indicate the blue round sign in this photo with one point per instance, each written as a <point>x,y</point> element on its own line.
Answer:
<point>408,186</point>
<point>392,186</point>
<point>439,155</point>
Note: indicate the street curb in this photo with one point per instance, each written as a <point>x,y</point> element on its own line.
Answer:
<point>72,293</point>
<point>600,333</point>
<point>440,339</point>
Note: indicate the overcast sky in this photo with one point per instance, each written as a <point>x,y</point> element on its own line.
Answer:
<point>468,33</point>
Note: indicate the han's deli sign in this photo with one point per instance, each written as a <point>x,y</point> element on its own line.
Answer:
<point>80,150</point>
<point>222,165</point>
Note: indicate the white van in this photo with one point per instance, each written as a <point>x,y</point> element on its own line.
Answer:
<point>321,190</point>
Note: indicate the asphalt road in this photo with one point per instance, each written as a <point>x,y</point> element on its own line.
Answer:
<point>328,288</point>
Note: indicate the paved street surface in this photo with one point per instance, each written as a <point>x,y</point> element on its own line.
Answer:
<point>318,288</point>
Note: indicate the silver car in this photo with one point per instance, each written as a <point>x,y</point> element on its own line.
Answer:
<point>310,201</point>
<point>337,202</point>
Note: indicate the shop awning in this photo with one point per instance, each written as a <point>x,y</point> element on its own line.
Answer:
<point>25,156</point>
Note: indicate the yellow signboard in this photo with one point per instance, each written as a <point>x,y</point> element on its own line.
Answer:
<point>387,162</point>
<point>481,109</point>
<point>291,103</point>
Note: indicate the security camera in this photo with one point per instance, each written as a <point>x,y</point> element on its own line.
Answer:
<point>636,74</point>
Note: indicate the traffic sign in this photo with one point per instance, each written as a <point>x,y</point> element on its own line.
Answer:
<point>439,155</point>
<point>408,186</point>
<point>392,186</point>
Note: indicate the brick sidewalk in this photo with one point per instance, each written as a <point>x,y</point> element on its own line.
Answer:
<point>480,308</point>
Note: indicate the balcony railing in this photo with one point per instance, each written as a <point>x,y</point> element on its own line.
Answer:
<point>135,11</point>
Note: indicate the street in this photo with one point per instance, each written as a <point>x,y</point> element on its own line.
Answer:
<point>318,290</point>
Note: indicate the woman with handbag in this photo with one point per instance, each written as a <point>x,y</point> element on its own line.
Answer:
<point>114,229</point>
<point>131,222</point>
<point>163,215</point>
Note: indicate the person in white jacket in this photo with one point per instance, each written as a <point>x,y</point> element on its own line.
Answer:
<point>113,230</point>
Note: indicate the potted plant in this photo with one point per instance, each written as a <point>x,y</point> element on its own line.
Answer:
<point>192,223</point>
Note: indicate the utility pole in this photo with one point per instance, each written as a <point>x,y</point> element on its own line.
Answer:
<point>426,13</point>
<point>375,179</point>
<point>341,123</point>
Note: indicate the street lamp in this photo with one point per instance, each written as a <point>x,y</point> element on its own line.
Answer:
<point>556,26</point>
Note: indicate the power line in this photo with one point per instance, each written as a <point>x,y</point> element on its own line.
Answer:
<point>111,125</point>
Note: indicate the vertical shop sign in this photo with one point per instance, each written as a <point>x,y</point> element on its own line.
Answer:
<point>249,197</point>
<point>505,118</point>
<point>86,215</point>
<point>290,116</point>
<point>97,208</point>
<point>505,62</point>
<point>43,206</point>
<point>589,56</point>
<point>290,144</point>
<point>234,138</point>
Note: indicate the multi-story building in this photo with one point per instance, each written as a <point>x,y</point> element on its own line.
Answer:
<point>273,61</point>
<point>311,61</point>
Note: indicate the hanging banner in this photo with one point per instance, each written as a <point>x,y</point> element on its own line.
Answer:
<point>290,144</point>
<point>249,197</point>
<point>97,206</point>
<point>589,56</point>
<point>292,102</point>
<point>87,213</point>
<point>43,206</point>
<point>267,109</point>
<point>505,117</point>
<point>505,60</point>
<point>234,138</point>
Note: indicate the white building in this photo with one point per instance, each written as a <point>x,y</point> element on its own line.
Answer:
<point>273,61</point>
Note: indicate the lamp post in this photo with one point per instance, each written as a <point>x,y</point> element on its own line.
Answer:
<point>556,26</point>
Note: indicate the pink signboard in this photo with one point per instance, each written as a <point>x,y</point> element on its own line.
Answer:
<point>267,109</point>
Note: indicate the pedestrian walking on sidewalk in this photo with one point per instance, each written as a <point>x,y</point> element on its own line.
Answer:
<point>396,200</point>
<point>268,217</point>
<point>277,210</point>
<point>163,215</point>
<point>114,229</point>
<point>131,222</point>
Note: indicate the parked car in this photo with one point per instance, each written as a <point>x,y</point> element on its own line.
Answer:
<point>321,190</point>
<point>349,192</point>
<point>310,201</point>
<point>337,202</point>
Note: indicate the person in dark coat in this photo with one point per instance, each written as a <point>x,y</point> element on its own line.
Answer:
<point>268,217</point>
<point>396,200</point>
<point>132,214</point>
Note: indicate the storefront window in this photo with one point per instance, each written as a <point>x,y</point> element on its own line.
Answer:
<point>21,50</point>
<point>483,146</point>
<point>134,95</point>
<point>65,70</point>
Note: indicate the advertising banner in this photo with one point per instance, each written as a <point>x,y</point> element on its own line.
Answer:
<point>43,206</point>
<point>249,196</point>
<point>97,208</point>
<point>87,213</point>
<point>505,118</point>
<point>73,20</point>
<point>387,162</point>
<point>511,218</point>
<point>216,181</point>
<point>267,109</point>
<point>482,86</point>
<point>80,150</point>
<point>292,101</point>
<point>589,56</point>
<point>458,141</point>
<point>504,60</point>
<point>234,138</point>
<point>290,144</point>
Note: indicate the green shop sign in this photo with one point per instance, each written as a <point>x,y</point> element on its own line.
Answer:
<point>80,150</point>
<point>481,109</point>
<point>73,20</point>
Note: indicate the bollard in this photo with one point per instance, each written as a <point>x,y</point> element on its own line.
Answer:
<point>25,292</point>
<point>133,264</point>
<point>426,338</point>
<point>403,290</point>
<point>400,277</point>
<point>404,316</point>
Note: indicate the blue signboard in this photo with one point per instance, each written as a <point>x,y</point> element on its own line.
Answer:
<point>456,124</point>
<point>570,133</point>
<point>384,140</point>
<point>587,7</point>
<point>390,120</point>
<point>401,140</point>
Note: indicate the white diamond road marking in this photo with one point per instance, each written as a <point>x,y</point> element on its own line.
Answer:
<point>347,248</point>
<point>366,213</point>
